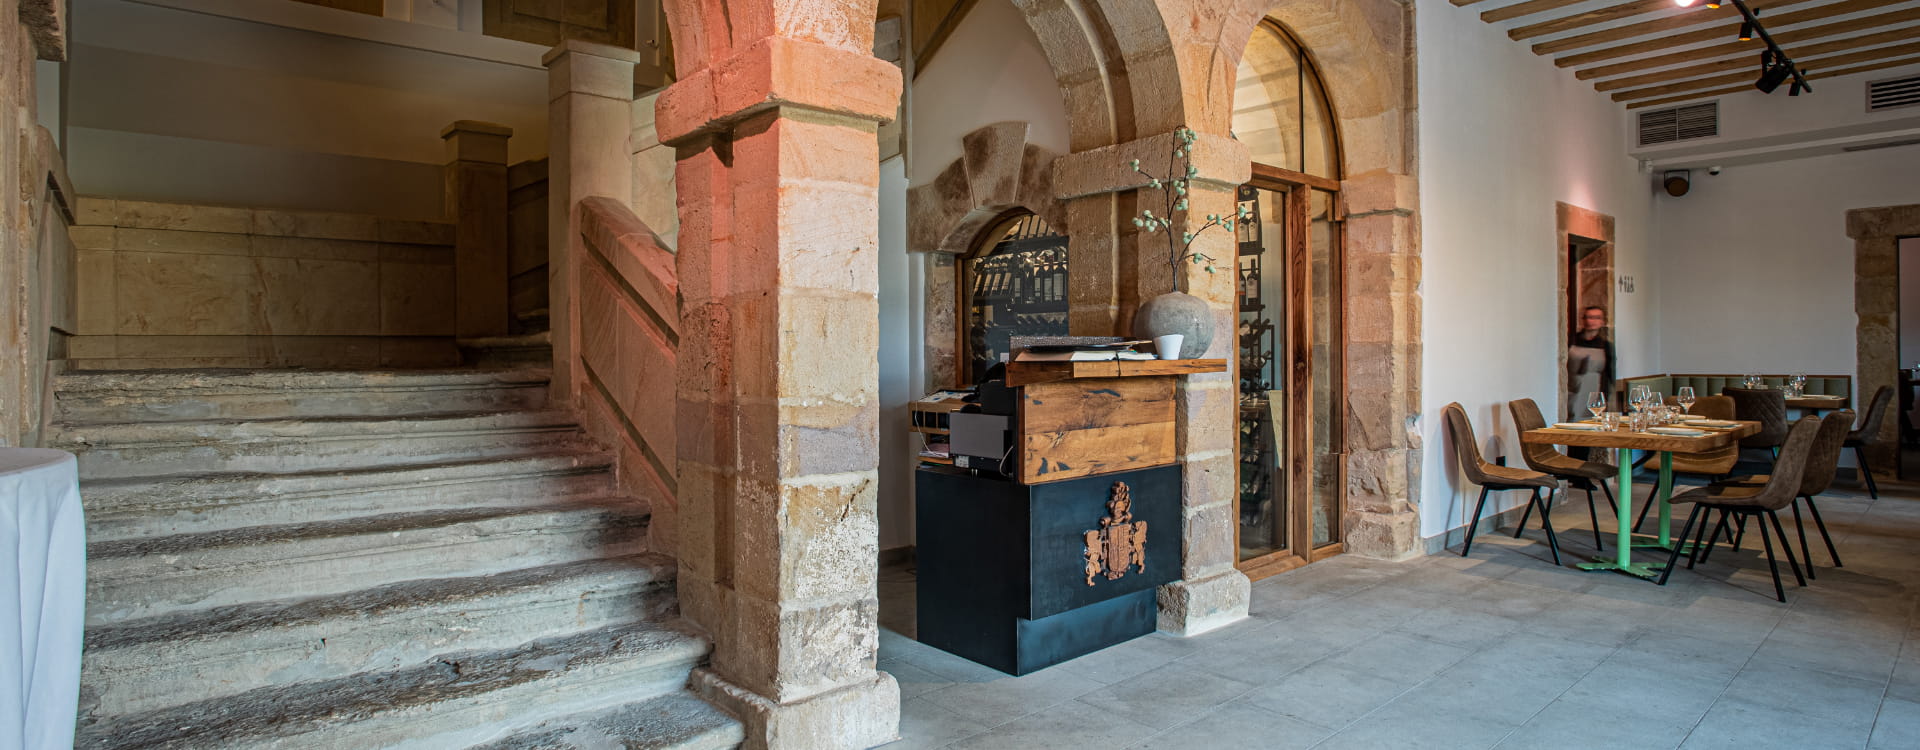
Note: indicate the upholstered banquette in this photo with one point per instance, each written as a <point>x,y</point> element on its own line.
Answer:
<point>1668,384</point>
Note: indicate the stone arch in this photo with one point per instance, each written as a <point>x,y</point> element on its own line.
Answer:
<point>1363,51</point>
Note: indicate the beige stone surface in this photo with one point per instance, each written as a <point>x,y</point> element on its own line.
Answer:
<point>183,294</point>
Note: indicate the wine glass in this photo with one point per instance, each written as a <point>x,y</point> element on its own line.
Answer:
<point>1596,402</point>
<point>1685,399</point>
<point>1799,383</point>
<point>1656,405</point>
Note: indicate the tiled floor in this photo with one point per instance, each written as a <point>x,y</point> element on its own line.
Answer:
<point>1499,650</point>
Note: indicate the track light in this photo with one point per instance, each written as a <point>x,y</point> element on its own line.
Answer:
<point>1772,76</point>
<point>1796,88</point>
<point>1746,28</point>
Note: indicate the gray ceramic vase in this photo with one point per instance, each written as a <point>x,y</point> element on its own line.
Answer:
<point>1176,312</point>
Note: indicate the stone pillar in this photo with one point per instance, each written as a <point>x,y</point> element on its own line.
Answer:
<point>1211,592</point>
<point>1382,324</point>
<point>778,416</point>
<point>476,176</point>
<point>589,117</point>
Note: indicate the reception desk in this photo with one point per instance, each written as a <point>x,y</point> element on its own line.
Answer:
<point>1063,556</point>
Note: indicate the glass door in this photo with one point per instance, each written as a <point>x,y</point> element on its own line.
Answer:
<point>1290,420</point>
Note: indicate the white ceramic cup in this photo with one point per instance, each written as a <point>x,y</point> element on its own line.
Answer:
<point>1168,346</point>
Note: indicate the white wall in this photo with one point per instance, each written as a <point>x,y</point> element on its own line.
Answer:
<point>991,69</point>
<point>169,104</point>
<point>1503,135</point>
<point>900,375</point>
<point>1760,264</point>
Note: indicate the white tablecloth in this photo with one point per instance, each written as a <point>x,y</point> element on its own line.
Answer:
<point>42,598</point>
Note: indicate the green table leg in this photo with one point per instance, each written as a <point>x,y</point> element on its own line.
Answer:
<point>1665,494</point>
<point>1623,540</point>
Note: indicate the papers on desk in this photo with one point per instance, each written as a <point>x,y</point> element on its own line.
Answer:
<point>1107,355</point>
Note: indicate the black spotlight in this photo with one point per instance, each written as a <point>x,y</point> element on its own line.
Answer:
<point>1772,76</point>
<point>1676,182</point>
<point>1746,27</point>
<point>1796,88</point>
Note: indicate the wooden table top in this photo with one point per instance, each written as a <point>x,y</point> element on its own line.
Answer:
<point>1817,402</point>
<point>1645,441</point>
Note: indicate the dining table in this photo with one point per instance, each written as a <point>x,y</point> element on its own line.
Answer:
<point>1624,442</point>
<point>1816,404</point>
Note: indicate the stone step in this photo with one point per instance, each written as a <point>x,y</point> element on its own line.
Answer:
<point>453,700</point>
<point>174,395</point>
<point>136,578</point>
<point>185,504</point>
<point>676,721</point>
<point>158,449</point>
<point>156,662</point>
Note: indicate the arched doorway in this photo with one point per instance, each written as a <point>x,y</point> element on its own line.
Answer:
<point>1014,283</point>
<point>1290,420</point>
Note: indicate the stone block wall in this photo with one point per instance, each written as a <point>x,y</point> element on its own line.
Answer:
<point>36,278</point>
<point>164,285</point>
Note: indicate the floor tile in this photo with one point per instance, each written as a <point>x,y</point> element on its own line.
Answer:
<point>1738,724</point>
<point>997,701</point>
<point>1166,696</point>
<point>1897,727</point>
<point>1067,727</point>
<point>1397,656</point>
<point>1327,694</point>
<point>925,726</point>
<point>1239,725</point>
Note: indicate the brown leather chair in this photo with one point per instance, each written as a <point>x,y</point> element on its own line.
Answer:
<point>1576,473</point>
<point>1768,406</point>
<point>1750,500</point>
<point>1870,430</point>
<point>1715,464</point>
<point>1493,477</point>
<point>1822,464</point>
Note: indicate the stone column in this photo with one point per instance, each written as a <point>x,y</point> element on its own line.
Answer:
<point>1211,592</point>
<point>476,176</point>
<point>589,116</point>
<point>1382,323</point>
<point>778,265</point>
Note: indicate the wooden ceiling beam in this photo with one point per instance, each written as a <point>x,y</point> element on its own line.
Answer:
<point>1866,56</point>
<point>1734,48</point>
<point>1600,15</point>
<point>1747,61</point>
<point>1693,16</point>
<point>1527,8</point>
<point>1834,73</point>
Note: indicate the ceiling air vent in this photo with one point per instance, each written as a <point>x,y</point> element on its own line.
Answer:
<point>1679,123</point>
<point>1893,93</point>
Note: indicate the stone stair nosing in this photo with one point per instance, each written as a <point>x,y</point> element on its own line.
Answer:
<point>133,507</point>
<point>147,395</point>
<point>137,449</point>
<point>453,700</point>
<point>139,665</point>
<point>144,577</point>
<point>676,721</point>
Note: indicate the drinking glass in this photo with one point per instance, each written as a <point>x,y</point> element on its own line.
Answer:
<point>1685,399</point>
<point>1637,422</point>
<point>1596,402</point>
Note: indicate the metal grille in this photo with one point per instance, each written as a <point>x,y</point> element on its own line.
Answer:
<point>1893,93</point>
<point>1680,123</point>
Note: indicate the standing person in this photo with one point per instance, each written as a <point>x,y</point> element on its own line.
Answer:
<point>1590,359</point>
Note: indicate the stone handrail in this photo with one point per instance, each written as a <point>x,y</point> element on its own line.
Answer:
<point>629,301</point>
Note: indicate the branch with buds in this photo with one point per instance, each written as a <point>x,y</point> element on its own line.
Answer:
<point>1174,189</point>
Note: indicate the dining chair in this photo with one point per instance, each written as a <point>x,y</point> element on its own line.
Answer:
<point>1823,462</point>
<point>1576,473</point>
<point>1494,478</point>
<point>1768,406</point>
<point>1869,429</point>
<point>1714,464</point>
<point>1759,501</point>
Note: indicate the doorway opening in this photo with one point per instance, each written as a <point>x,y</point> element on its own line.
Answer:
<point>1909,375</point>
<point>1586,310</point>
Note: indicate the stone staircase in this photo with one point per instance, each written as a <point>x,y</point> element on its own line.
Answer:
<point>426,559</point>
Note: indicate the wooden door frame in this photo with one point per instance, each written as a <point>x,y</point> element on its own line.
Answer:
<point>1573,222</point>
<point>1297,309</point>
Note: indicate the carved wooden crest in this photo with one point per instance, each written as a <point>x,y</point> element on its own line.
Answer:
<point>1120,542</point>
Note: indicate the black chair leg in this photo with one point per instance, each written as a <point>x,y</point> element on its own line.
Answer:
<point>1608,491</point>
<point>1593,515</point>
<point>1715,536</point>
<point>1700,537</point>
<point>1822,526</point>
<point>1673,558</point>
<point>1643,510</point>
<point>1800,527</point>
<point>1473,524</point>
<point>1766,540</point>
<point>1546,522</point>
<point>1860,454</point>
<point>1741,534</point>
<point>1785,546</point>
<point>1524,517</point>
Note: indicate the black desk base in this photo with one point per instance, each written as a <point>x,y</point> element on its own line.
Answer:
<point>1002,566</point>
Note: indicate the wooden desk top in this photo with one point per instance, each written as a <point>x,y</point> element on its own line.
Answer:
<point>1028,373</point>
<point>1817,402</point>
<point>1645,441</point>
